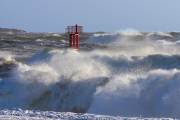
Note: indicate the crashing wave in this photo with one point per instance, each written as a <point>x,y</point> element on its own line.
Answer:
<point>133,76</point>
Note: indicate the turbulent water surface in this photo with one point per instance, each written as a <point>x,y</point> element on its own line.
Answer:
<point>122,74</point>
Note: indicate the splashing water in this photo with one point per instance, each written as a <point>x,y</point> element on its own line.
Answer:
<point>133,76</point>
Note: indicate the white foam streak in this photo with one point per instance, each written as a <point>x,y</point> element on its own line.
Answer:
<point>129,32</point>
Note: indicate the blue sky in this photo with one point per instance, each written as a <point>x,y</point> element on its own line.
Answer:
<point>94,15</point>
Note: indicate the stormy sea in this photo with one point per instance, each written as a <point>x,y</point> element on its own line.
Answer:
<point>125,74</point>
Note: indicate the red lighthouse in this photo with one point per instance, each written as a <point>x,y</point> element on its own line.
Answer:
<point>74,32</point>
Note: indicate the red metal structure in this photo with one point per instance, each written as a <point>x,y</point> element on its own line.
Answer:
<point>74,32</point>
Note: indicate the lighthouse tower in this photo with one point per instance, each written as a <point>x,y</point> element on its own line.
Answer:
<point>73,33</point>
